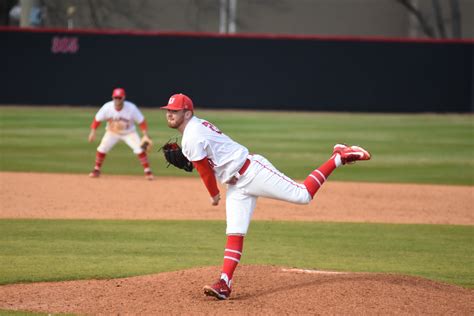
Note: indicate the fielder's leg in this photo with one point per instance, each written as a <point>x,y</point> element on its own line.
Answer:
<point>99,159</point>
<point>146,165</point>
<point>133,141</point>
<point>107,143</point>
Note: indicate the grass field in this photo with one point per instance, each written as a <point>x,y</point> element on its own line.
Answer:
<point>423,148</point>
<point>45,250</point>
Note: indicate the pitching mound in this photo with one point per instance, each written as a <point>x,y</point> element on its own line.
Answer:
<point>258,289</point>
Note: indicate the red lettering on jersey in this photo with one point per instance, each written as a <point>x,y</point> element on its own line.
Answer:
<point>212,127</point>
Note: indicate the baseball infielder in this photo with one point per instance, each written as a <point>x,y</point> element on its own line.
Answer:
<point>248,176</point>
<point>121,117</point>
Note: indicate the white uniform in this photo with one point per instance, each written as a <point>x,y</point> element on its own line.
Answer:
<point>120,126</point>
<point>202,139</point>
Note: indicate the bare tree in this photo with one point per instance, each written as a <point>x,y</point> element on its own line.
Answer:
<point>439,27</point>
<point>455,18</point>
<point>425,26</point>
<point>439,18</point>
<point>101,14</point>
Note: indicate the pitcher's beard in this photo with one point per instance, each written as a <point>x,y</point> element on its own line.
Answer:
<point>172,124</point>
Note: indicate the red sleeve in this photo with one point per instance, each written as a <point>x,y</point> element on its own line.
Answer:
<point>95,124</point>
<point>143,126</point>
<point>207,175</point>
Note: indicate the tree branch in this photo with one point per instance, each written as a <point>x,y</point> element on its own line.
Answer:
<point>427,29</point>
<point>439,18</point>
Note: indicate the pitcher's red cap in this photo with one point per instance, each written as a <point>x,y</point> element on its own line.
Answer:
<point>179,102</point>
<point>119,92</point>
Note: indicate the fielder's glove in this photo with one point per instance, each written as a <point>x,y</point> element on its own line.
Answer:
<point>174,156</point>
<point>146,144</point>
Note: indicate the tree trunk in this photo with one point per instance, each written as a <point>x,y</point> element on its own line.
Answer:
<point>438,12</point>
<point>427,29</point>
<point>456,18</point>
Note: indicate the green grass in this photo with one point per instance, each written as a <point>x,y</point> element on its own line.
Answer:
<point>414,148</point>
<point>22,313</point>
<point>47,250</point>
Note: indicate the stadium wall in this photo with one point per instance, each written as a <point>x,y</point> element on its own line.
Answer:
<point>79,67</point>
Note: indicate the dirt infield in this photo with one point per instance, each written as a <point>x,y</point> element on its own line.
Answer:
<point>37,195</point>
<point>260,289</point>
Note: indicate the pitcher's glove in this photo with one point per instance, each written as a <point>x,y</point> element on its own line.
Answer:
<point>146,144</point>
<point>174,156</point>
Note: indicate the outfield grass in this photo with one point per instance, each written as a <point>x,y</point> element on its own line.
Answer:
<point>48,250</point>
<point>418,148</point>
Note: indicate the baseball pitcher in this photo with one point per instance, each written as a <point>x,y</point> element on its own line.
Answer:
<point>121,117</point>
<point>248,176</point>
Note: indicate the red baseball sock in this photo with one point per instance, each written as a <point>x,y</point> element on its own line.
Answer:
<point>99,159</point>
<point>144,161</point>
<point>316,178</point>
<point>232,254</point>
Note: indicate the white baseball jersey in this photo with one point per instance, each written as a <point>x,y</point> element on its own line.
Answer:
<point>202,139</point>
<point>121,122</point>
<point>261,179</point>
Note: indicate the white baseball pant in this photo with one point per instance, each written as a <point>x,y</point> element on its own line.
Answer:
<point>261,179</point>
<point>110,139</point>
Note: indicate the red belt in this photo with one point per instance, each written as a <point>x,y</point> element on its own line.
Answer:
<point>244,167</point>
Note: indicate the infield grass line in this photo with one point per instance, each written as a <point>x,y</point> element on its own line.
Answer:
<point>4,312</point>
